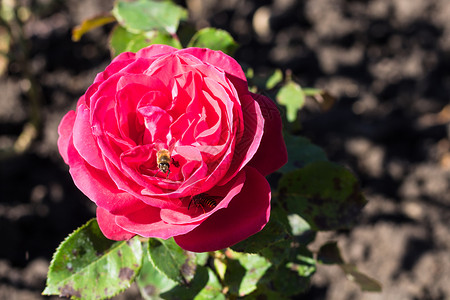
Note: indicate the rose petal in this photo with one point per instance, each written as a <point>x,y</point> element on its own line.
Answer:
<point>227,63</point>
<point>183,215</point>
<point>98,186</point>
<point>248,144</point>
<point>84,141</point>
<point>127,99</point>
<point>167,68</point>
<point>110,229</point>
<point>123,60</point>
<point>246,215</point>
<point>104,126</point>
<point>132,186</point>
<point>124,56</point>
<point>65,130</point>
<point>153,51</point>
<point>272,153</point>
<point>147,222</point>
<point>117,65</point>
<point>138,174</point>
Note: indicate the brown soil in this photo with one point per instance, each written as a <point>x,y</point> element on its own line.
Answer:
<point>386,61</point>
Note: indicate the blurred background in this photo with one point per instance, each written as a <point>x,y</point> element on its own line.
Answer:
<point>386,61</point>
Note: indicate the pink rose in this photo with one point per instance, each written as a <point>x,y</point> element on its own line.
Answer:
<point>170,143</point>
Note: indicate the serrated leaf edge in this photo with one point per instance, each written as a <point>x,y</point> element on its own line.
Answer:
<point>45,292</point>
<point>157,268</point>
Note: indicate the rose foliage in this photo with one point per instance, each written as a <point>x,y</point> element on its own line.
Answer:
<point>221,142</point>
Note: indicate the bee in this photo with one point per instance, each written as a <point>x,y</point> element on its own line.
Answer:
<point>202,200</point>
<point>163,160</point>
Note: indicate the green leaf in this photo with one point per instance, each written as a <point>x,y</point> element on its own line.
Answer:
<point>273,233</point>
<point>286,281</point>
<point>298,224</point>
<point>214,39</point>
<point>325,194</point>
<point>256,266</point>
<point>274,79</point>
<point>89,24</point>
<point>261,81</point>
<point>87,265</point>
<point>122,40</point>
<point>292,97</point>
<point>201,258</point>
<point>220,266</point>
<point>293,276</point>
<point>249,72</point>
<point>174,262</point>
<point>304,233</point>
<point>234,275</point>
<point>301,152</point>
<point>187,292</point>
<point>289,282</point>
<point>305,266</point>
<point>212,290</point>
<point>147,15</point>
<point>158,37</point>
<point>264,292</point>
<point>152,282</point>
<point>244,272</point>
<point>277,253</point>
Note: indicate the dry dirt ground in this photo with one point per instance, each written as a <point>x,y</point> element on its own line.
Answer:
<point>387,61</point>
